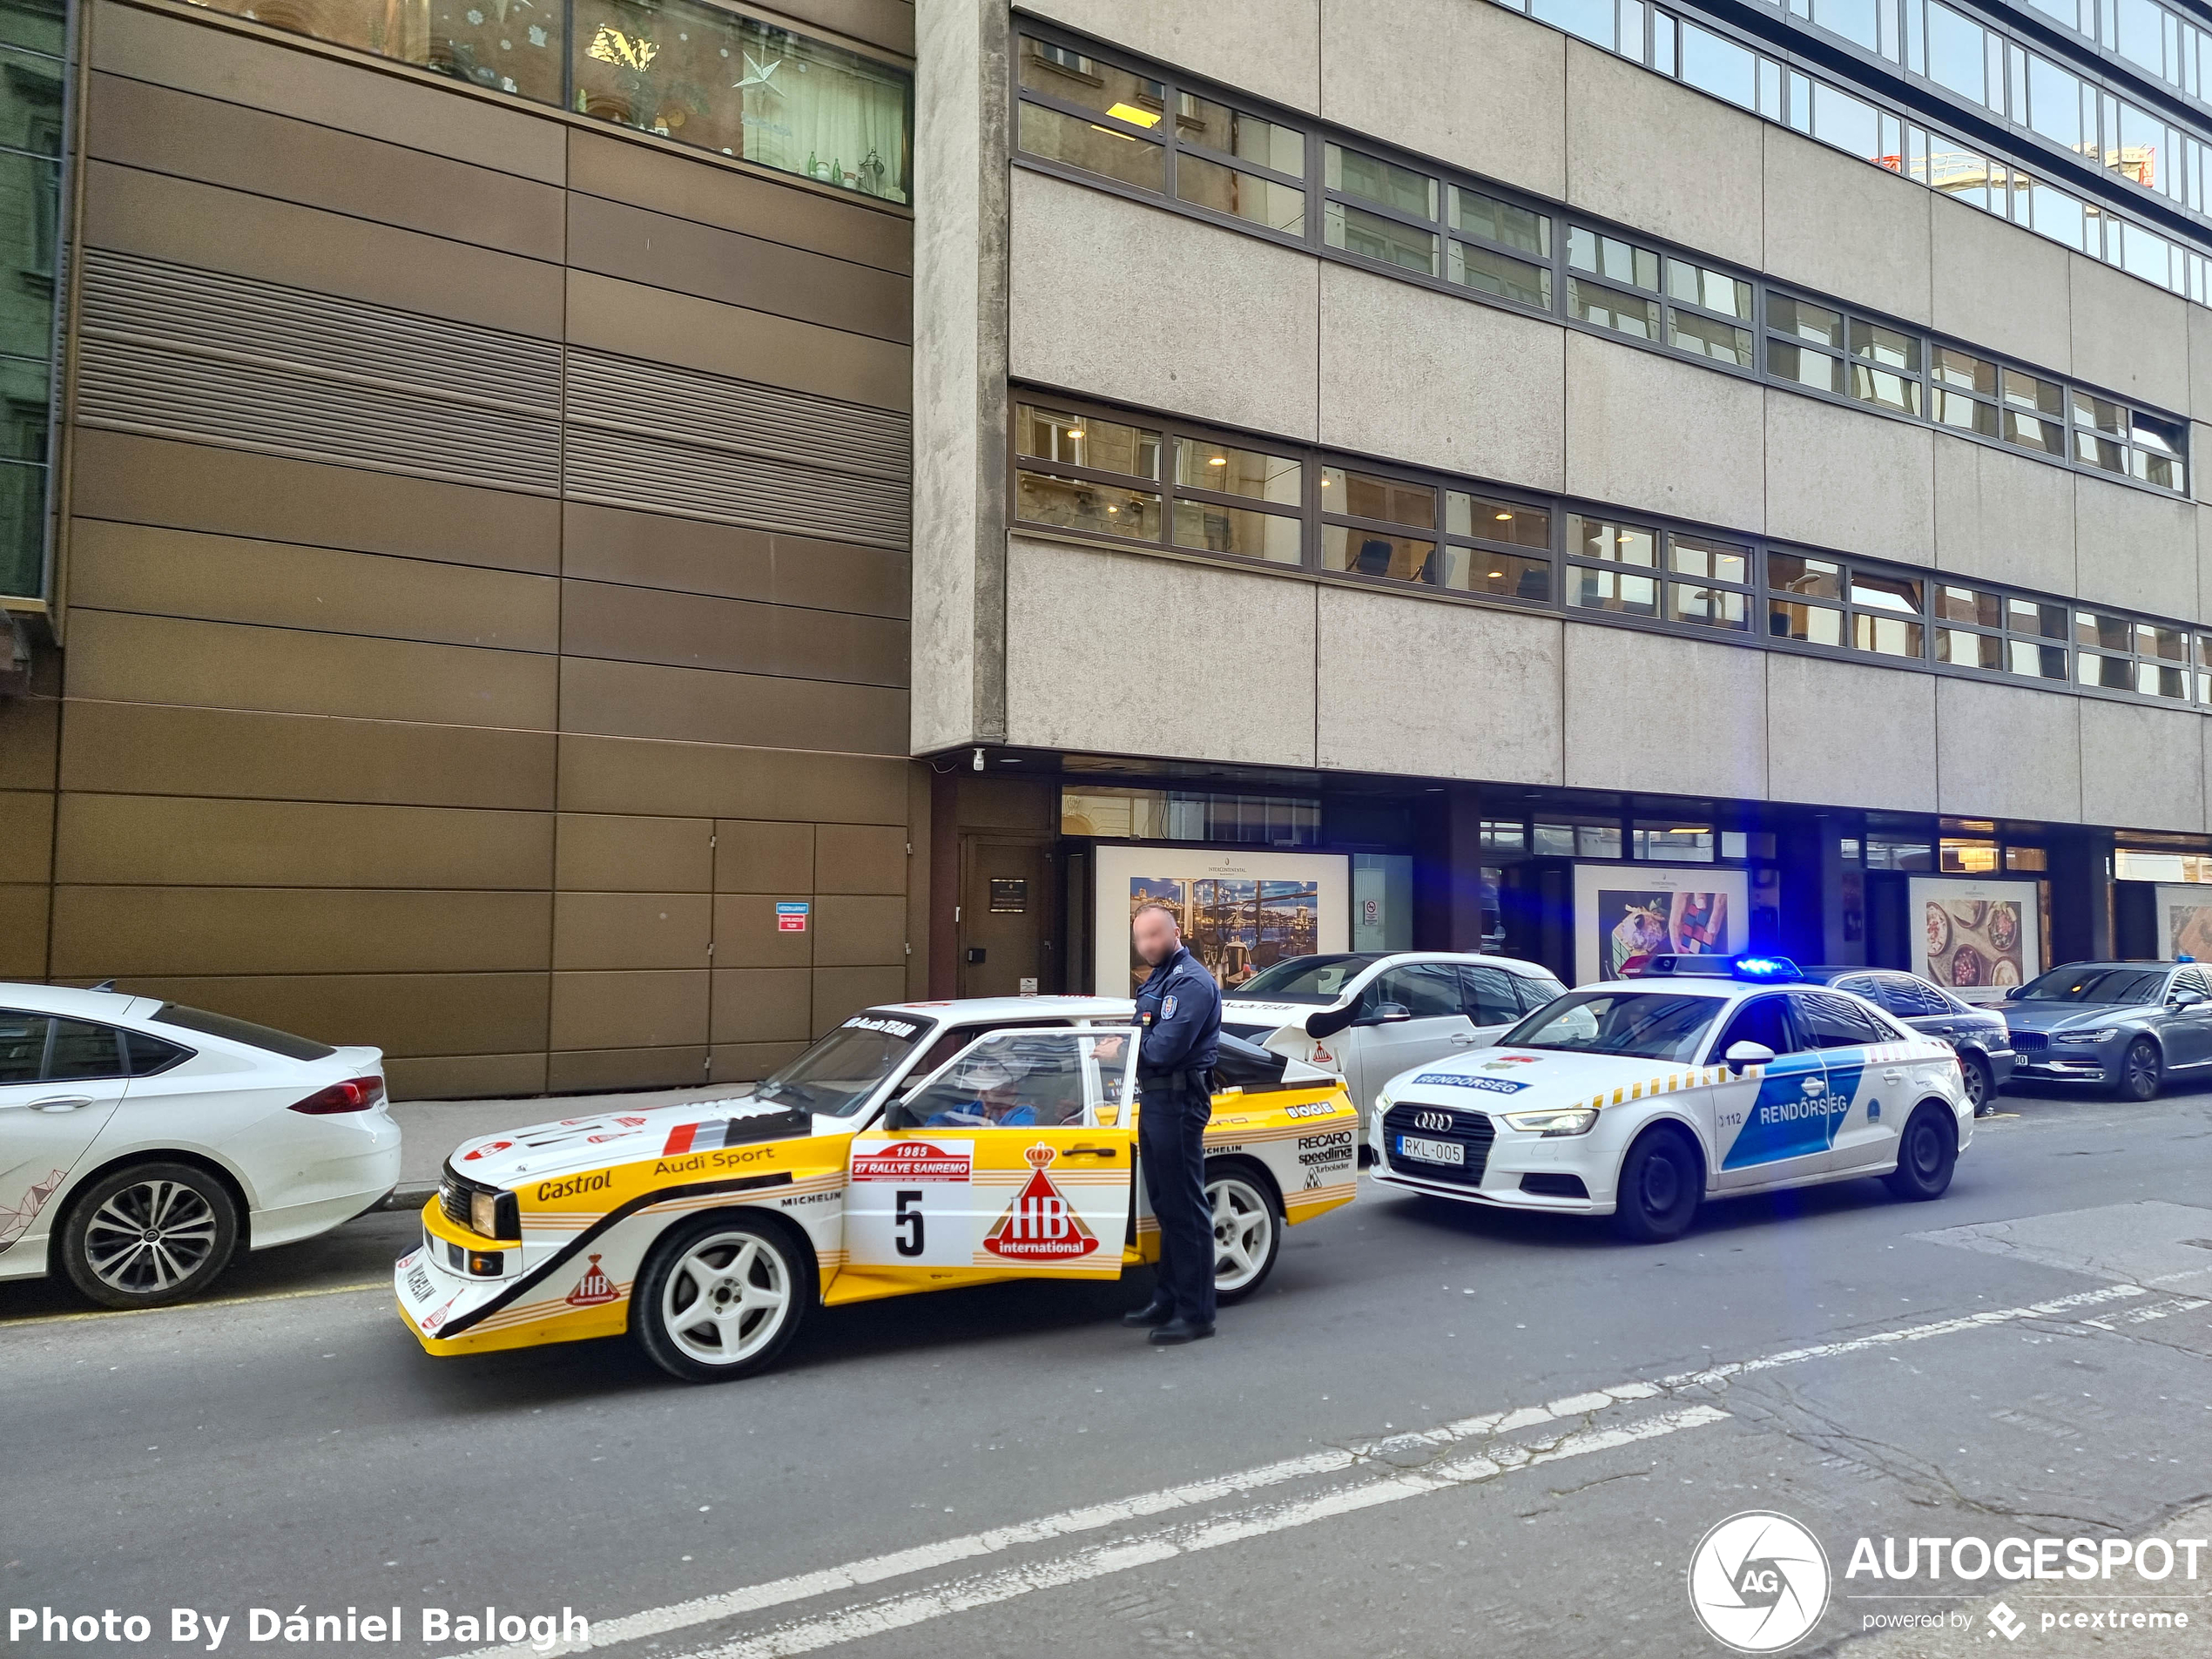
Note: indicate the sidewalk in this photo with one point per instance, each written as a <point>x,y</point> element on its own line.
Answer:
<point>431,1129</point>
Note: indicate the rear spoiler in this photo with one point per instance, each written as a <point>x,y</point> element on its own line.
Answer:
<point>1299,1040</point>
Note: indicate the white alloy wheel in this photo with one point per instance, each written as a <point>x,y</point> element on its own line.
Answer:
<point>726,1298</point>
<point>1245,1234</point>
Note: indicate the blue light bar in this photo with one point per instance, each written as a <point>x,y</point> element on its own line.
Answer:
<point>1760,970</point>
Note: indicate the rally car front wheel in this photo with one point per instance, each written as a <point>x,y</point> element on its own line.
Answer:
<point>1247,1231</point>
<point>721,1297</point>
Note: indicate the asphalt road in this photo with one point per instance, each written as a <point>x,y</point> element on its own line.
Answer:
<point>1439,1430</point>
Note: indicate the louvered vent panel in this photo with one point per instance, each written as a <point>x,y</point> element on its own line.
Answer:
<point>767,420</point>
<point>629,470</point>
<point>242,316</point>
<point>145,388</point>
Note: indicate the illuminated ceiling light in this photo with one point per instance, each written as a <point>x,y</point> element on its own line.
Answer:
<point>1497,575</point>
<point>1134,116</point>
<point>1505,514</point>
<point>1074,432</point>
<point>1218,461</point>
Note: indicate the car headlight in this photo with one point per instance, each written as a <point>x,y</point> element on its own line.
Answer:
<point>483,1214</point>
<point>2087,1037</point>
<point>1566,1120</point>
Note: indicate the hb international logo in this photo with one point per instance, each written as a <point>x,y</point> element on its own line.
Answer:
<point>1758,1581</point>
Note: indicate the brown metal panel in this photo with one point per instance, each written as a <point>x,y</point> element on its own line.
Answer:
<point>151,750</point>
<point>653,551</point>
<point>624,930</point>
<point>629,1010</point>
<point>860,857</point>
<point>763,1004</point>
<point>762,855</point>
<point>138,126</point>
<point>24,912</point>
<point>26,834</point>
<point>227,578</point>
<point>116,656</point>
<point>699,705</point>
<point>30,735</point>
<point>596,1070</point>
<point>646,176</point>
<point>661,251</point>
<point>841,992</point>
<point>464,1077</point>
<point>652,323</point>
<point>748,1062</point>
<point>860,931</point>
<point>401,1014</point>
<point>133,212</point>
<point>698,779</point>
<point>746,934</point>
<point>262,75</point>
<point>690,630</point>
<point>605,852</point>
<point>196,487</point>
<point>104,931</point>
<point>164,841</point>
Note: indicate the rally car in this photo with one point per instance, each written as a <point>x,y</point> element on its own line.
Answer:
<point>918,1147</point>
<point>1703,1078</point>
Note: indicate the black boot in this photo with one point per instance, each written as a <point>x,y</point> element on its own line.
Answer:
<point>1181,1330</point>
<point>1155,1311</point>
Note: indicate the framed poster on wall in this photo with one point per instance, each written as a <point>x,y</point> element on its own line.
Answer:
<point>1624,913</point>
<point>1240,912</point>
<point>1976,938</point>
<point>2185,921</point>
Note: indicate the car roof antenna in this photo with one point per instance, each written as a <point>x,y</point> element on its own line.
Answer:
<point>104,984</point>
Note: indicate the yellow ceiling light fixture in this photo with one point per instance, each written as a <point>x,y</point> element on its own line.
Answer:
<point>1218,461</point>
<point>1134,116</point>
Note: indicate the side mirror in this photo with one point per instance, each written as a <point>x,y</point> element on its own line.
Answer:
<point>2186,999</point>
<point>2013,995</point>
<point>1742,1055</point>
<point>1385,1014</point>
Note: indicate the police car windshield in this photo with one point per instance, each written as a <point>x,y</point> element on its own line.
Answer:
<point>841,1070</point>
<point>1636,1025</point>
<point>1318,979</point>
<point>2112,985</point>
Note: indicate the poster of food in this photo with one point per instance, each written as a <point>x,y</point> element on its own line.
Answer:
<point>1976,938</point>
<point>2185,921</point>
<point>1239,912</point>
<point>1624,913</point>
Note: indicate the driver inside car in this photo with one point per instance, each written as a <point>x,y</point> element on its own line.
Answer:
<point>998,1103</point>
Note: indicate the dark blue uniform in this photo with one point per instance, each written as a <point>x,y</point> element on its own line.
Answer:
<point>1174,1096</point>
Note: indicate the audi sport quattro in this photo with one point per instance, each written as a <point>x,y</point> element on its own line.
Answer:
<point>1706,1077</point>
<point>871,1167</point>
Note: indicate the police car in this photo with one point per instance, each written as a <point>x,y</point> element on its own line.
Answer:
<point>918,1147</point>
<point>1704,1077</point>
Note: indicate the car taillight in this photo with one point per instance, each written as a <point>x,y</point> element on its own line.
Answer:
<point>354,1095</point>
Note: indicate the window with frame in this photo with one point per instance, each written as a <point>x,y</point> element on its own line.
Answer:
<point>1500,248</point>
<point>1603,273</point>
<point>1611,566</point>
<point>1229,161</point>
<point>1380,210</point>
<point>1498,548</point>
<point>1374,524</point>
<point>1720,596</point>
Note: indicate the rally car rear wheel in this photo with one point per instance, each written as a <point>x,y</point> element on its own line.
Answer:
<point>720,1298</point>
<point>1247,1233</point>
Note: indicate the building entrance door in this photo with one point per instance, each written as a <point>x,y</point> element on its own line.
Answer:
<point>1008,916</point>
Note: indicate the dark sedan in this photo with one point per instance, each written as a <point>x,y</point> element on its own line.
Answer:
<point>1981,1035</point>
<point>2125,1026</point>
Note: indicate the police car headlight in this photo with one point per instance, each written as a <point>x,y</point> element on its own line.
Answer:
<point>2109,1032</point>
<point>1571,1119</point>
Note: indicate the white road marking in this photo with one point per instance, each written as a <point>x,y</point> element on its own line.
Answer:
<point>1187,1538</point>
<point>875,1569</point>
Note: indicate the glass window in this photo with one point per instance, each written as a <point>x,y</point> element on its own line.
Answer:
<point>83,1049</point>
<point>1694,285</point>
<point>2100,413</point>
<point>2105,633</point>
<point>1948,365</point>
<point>1611,258</point>
<point>1501,222</point>
<point>2156,456</point>
<point>1802,319</point>
<point>1082,440</point>
<point>22,1047</point>
<point>1608,308</point>
<point>1372,553</point>
<point>2027,392</point>
<point>1277,537</point>
<point>1672,842</point>
<point>2170,644</point>
<point>1965,649</point>
<point>1013,1080</point>
<point>1642,1025</point>
<point>1853,19</point>
<point>1232,133</point>
<point>1243,195</point>
<point>1489,995</point>
<point>2043,661</point>
<point>1365,494</point>
<point>1232,471</point>
<point>1383,183</point>
<point>2142,36</point>
<point>1427,990</point>
<point>1083,144</point>
<point>1886,592</point>
<point>1958,53</point>
<point>1471,570</point>
<point>1063,73</point>
<point>1816,369</point>
<point>1881,386</point>
<point>1831,1022</point>
<point>1848,123</point>
<point>146,1056</point>
<point>241,1031</point>
<point>1598,538</point>
<point>1592,20</point>
<point>2029,616</point>
<point>1700,556</point>
<point>1887,635</point>
<point>730,84</point>
<point>1812,625</point>
<point>1496,520</point>
<point>1501,275</point>
<point>1968,413</point>
<point>2107,673</point>
<point>1076,504</point>
<point>1373,236</point>
<point>1793,573</point>
<point>1765,1021</point>
<point>2107,453</point>
<point>1712,607</point>
<point>1703,337</point>
<point>1718,65</point>
<point>1969,605</point>
<point>1633,596</point>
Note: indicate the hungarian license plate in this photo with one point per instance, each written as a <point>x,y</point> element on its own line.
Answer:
<point>1412,1146</point>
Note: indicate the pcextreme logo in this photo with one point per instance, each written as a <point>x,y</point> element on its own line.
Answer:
<point>1758,1581</point>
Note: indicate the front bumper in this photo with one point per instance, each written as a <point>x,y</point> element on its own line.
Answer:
<point>2069,1063</point>
<point>450,1311</point>
<point>1514,1158</point>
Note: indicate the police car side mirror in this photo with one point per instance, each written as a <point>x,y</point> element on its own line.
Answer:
<point>2188,999</point>
<point>1743,1055</point>
<point>1385,1014</point>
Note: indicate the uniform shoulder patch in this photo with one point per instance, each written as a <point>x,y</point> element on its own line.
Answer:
<point>1167,1009</point>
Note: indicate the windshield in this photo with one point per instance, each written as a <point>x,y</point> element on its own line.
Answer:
<point>841,1070</point>
<point>1307,979</point>
<point>2110,985</point>
<point>1641,1025</point>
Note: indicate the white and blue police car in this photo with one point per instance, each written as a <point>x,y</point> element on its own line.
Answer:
<point>1703,1077</point>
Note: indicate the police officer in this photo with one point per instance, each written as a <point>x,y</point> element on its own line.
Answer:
<point>1180,1010</point>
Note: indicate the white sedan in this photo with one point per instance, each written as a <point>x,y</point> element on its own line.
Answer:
<point>1640,1098</point>
<point>143,1144</point>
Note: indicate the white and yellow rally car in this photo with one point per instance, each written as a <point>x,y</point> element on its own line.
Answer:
<point>918,1147</point>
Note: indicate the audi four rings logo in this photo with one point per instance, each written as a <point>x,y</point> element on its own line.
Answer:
<point>1431,1120</point>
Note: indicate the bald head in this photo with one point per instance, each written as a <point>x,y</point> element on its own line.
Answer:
<point>1153,931</point>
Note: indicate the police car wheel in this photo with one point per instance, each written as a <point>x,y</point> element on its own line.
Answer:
<point>148,1234</point>
<point>1247,1233</point>
<point>2139,1071</point>
<point>1926,1155</point>
<point>1981,1093</point>
<point>721,1297</point>
<point>1662,1181</point>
